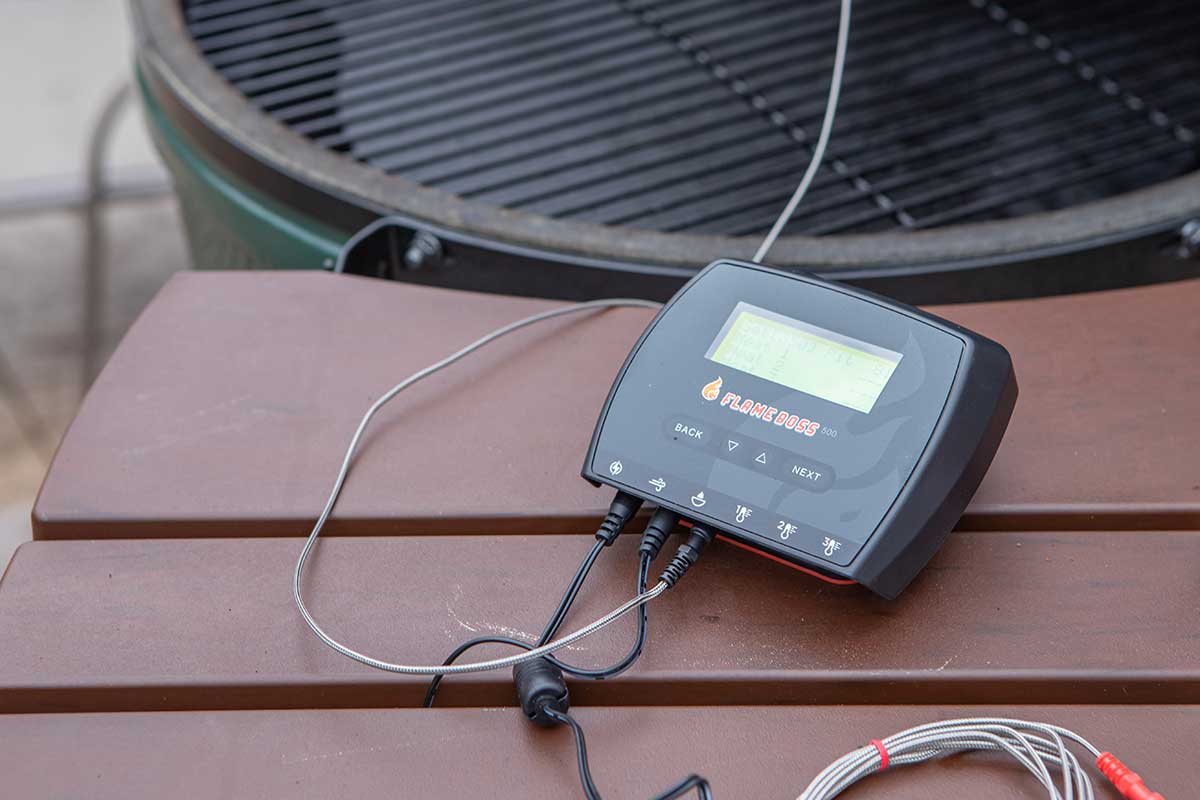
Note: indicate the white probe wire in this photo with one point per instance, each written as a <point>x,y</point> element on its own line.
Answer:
<point>835,91</point>
<point>1036,746</point>
<point>479,666</point>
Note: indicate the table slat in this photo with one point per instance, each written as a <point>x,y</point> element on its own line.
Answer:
<point>1079,617</point>
<point>756,752</point>
<point>226,410</point>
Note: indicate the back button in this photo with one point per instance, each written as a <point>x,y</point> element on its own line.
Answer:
<point>691,432</point>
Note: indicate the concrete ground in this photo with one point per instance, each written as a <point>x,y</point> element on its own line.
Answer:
<point>59,61</point>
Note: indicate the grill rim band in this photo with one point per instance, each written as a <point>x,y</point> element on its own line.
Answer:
<point>179,75</point>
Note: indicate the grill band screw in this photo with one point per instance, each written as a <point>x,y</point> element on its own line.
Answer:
<point>1190,235</point>
<point>425,250</point>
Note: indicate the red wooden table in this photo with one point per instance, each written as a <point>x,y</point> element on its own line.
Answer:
<point>152,634</point>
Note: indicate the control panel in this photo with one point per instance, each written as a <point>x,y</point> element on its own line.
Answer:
<point>810,420</point>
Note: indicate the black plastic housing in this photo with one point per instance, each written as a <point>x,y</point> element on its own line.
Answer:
<point>944,477</point>
<point>540,685</point>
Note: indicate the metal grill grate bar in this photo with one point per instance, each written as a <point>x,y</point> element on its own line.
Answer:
<point>692,153</point>
<point>790,93</point>
<point>286,32</point>
<point>696,115</point>
<point>373,139</point>
<point>443,95</point>
<point>479,69</point>
<point>202,25</point>
<point>388,41</point>
<point>657,126</point>
<point>677,210</point>
<point>1010,192</point>
<point>204,9</point>
<point>466,163</point>
<point>535,148</point>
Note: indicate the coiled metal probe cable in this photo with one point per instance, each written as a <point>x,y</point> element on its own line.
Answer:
<point>1036,746</point>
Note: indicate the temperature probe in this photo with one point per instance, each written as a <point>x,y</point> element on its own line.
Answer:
<point>813,422</point>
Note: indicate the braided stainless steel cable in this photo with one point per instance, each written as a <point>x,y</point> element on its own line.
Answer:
<point>1038,747</point>
<point>831,104</point>
<point>479,666</point>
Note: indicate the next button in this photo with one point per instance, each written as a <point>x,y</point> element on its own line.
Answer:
<point>811,475</point>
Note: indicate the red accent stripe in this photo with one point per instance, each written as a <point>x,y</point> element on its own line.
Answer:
<point>778,560</point>
<point>883,754</point>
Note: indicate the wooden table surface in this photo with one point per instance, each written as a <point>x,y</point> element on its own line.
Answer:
<point>1078,617</point>
<point>746,751</point>
<point>227,408</point>
<point>152,635</point>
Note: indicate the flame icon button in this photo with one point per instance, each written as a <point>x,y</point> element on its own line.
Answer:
<point>711,390</point>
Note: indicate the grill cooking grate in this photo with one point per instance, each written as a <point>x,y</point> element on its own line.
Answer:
<point>697,115</point>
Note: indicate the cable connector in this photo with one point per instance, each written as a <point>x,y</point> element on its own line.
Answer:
<point>620,511</point>
<point>540,686</point>
<point>687,554</point>
<point>659,528</point>
<point>1128,782</point>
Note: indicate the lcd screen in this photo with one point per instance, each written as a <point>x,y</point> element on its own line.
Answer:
<point>803,357</point>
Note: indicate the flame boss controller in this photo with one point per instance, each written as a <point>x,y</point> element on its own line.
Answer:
<point>810,421</point>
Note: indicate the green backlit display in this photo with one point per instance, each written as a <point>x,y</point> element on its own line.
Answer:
<point>804,357</point>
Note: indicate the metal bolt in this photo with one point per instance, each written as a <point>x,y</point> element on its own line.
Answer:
<point>424,250</point>
<point>1190,235</point>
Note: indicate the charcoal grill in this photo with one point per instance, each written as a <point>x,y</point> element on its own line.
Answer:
<point>576,148</point>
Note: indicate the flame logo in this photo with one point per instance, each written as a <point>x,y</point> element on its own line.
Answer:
<point>711,390</point>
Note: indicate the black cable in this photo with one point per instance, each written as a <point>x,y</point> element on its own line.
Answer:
<point>585,771</point>
<point>660,526</point>
<point>622,509</point>
<point>431,692</point>
<point>556,619</point>
<point>543,694</point>
<point>568,598</point>
<point>560,613</point>
<point>635,651</point>
<point>703,790</point>
<point>540,686</point>
<point>662,522</point>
